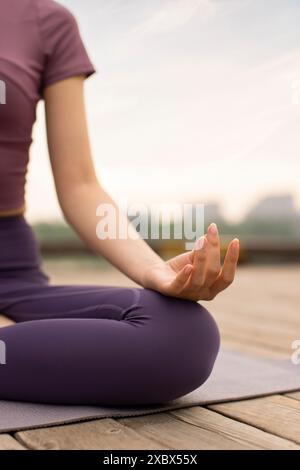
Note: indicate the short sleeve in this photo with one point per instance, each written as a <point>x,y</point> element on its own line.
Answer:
<point>65,54</point>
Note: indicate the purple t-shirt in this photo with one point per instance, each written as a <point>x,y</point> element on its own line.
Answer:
<point>40,44</point>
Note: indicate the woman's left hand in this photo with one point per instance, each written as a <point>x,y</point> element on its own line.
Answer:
<point>197,274</point>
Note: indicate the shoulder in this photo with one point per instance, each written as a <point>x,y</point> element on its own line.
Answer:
<point>53,8</point>
<point>52,13</point>
<point>64,53</point>
<point>55,20</point>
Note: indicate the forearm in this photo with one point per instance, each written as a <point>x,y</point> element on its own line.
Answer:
<point>130,255</point>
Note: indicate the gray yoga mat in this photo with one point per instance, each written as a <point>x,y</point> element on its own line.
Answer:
<point>235,377</point>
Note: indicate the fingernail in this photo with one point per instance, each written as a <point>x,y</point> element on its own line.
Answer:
<point>213,229</point>
<point>199,243</point>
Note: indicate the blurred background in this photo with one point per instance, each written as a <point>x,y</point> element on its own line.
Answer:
<point>194,101</point>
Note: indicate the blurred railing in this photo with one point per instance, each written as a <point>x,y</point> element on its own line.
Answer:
<point>253,249</point>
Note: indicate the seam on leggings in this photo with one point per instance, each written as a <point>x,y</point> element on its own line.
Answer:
<point>80,311</point>
<point>25,297</point>
<point>136,301</point>
<point>122,311</point>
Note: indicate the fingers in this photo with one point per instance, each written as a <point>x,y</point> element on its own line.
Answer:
<point>206,259</point>
<point>199,262</point>
<point>231,259</point>
<point>227,273</point>
<point>213,265</point>
<point>190,281</point>
<point>179,261</point>
<point>181,278</point>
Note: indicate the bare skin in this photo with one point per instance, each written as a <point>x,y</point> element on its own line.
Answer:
<point>194,275</point>
<point>4,321</point>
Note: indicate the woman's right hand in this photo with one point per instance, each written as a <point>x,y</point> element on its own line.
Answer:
<point>197,274</point>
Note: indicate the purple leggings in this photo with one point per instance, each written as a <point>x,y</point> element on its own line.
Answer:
<point>94,345</point>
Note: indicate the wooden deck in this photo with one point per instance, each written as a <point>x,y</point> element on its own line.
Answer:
<point>259,315</point>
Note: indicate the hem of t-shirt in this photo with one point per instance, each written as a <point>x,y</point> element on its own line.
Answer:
<point>78,70</point>
<point>12,211</point>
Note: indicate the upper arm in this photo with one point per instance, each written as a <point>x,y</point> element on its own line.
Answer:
<point>66,65</point>
<point>67,133</point>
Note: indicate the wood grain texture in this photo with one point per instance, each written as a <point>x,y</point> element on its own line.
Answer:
<point>294,395</point>
<point>250,348</point>
<point>235,430</point>
<point>258,314</point>
<point>7,442</point>
<point>277,414</point>
<point>95,435</point>
<point>203,429</point>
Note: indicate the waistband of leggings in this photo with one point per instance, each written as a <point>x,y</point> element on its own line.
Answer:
<point>13,222</point>
<point>18,243</point>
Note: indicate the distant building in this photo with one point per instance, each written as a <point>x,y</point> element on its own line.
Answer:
<point>212,213</point>
<point>274,207</point>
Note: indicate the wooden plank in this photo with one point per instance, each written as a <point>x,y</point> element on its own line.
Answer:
<point>252,349</point>
<point>277,414</point>
<point>175,434</point>
<point>257,337</point>
<point>263,333</point>
<point>240,432</point>
<point>262,320</point>
<point>250,295</point>
<point>203,429</point>
<point>294,395</point>
<point>95,435</point>
<point>7,442</point>
<point>250,346</point>
<point>249,313</point>
<point>261,330</point>
<point>260,309</point>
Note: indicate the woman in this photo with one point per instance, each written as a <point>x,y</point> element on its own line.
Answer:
<point>95,345</point>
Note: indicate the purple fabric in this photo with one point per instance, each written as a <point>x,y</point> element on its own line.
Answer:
<point>95,345</point>
<point>40,43</point>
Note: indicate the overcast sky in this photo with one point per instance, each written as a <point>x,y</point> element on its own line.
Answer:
<point>192,100</point>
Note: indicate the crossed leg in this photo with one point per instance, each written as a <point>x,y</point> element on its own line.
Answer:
<point>92,345</point>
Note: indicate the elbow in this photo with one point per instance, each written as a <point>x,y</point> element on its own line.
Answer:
<point>67,188</point>
<point>78,195</point>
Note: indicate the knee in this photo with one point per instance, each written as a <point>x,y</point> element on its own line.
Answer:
<point>204,347</point>
<point>190,342</point>
<point>198,344</point>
